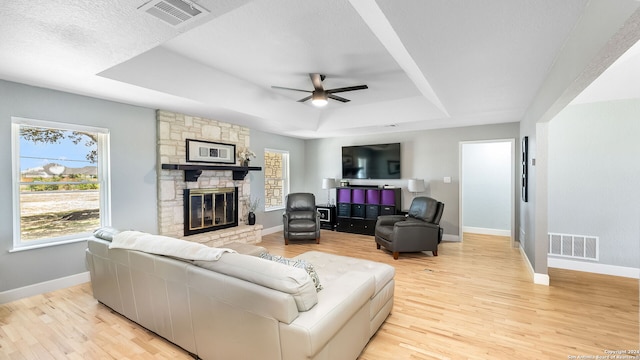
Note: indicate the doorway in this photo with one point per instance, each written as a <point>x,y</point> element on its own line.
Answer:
<point>487,188</point>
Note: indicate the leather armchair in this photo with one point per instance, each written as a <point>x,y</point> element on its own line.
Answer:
<point>300,219</point>
<point>419,230</point>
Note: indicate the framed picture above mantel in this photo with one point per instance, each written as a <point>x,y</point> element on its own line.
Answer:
<point>211,152</point>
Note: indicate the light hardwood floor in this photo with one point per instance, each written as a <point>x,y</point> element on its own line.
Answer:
<point>475,300</point>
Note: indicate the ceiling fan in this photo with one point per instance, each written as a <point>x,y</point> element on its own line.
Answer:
<point>319,95</point>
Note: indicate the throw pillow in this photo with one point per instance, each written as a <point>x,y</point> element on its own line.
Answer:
<point>106,233</point>
<point>302,264</point>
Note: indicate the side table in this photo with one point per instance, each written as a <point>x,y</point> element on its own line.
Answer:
<point>327,216</point>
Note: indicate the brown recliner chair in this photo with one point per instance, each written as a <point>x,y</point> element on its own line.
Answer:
<point>301,220</point>
<point>419,230</point>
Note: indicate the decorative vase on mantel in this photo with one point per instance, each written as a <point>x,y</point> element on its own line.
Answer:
<point>251,218</point>
<point>245,162</point>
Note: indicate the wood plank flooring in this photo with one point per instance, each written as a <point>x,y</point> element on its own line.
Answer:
<point>475,300</point>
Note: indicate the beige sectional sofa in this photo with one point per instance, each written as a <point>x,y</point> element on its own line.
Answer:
<point>247,307</point>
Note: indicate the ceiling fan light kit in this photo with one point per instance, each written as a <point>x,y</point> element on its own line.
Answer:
<point>319,96</point>
<point>319,99</point>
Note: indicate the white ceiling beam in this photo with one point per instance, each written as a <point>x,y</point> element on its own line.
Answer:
<point>382,29</point>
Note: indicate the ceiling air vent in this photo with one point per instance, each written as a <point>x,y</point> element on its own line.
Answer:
<point>174,12</point>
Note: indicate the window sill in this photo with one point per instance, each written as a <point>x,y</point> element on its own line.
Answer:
<point>40,246</point>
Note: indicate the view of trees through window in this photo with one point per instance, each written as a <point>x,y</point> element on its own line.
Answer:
<point>59,188</point>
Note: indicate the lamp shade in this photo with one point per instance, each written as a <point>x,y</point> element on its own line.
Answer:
<point>415,185</point>
<point>328,183</point>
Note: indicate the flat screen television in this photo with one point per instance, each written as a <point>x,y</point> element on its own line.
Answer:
<point>379,161</point>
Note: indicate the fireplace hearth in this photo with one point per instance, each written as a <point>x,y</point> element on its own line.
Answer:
<point>210,209</point>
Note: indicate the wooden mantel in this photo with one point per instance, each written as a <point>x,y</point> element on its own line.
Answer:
<point>192,171</point>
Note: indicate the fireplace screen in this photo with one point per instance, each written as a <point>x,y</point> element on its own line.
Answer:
<point>210,209</point>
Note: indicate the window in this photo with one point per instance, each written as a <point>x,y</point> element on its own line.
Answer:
<point>276,178</point>
<point>61,182</point>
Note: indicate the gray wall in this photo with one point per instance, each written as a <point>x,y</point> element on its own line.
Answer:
<point>430,155</point>
<point>591,48</point>
<point>297,165</point>
<point>486,185</point>
<point>594,174</point>
<point>133,175</point>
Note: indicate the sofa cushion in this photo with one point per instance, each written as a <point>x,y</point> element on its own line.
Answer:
<point>299,263</point>
<point>164,245</point>
<point>274,275</point>
<point>247,249</point>
<point>302,225</point>
<point>331,267</point>
<point>423,208</point>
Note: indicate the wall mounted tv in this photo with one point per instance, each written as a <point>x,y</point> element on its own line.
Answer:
<point>380,161</point>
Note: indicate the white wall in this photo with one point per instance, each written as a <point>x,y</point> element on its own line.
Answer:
<point>486,186</point>
<point>133,175</point>
<point>594,172</point>
<point>430,155</point>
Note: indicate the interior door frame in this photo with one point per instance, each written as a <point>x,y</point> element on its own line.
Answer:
<point>512,190</point>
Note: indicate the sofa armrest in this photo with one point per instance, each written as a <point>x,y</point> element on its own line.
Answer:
<point>285,222</point>
<point>408,230</point>
<point>412,235</point>
<point>337,304</point>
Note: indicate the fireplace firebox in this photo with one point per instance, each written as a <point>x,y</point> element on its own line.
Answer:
<point>210,209</point>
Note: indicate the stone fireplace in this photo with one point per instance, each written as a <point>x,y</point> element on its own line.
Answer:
<point>172,132</point>
<point>210,209</point>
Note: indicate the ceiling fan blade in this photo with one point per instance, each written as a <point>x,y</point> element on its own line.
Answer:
<point>316,79</point>
<point>336,97</point>
<point>305,98</point>
<point>286,88</point>
<point>348,88</point>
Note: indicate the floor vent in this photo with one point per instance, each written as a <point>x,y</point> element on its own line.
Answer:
<point>174,12</point>
<point>574,246</point>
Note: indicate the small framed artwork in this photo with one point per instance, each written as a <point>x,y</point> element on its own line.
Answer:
<point>208,151</point>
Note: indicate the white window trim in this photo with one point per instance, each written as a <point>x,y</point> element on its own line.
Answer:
<point>104,180</point>
<point>285,182</point>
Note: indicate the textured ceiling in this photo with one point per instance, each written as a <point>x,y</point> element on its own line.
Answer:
<point>428,63</point>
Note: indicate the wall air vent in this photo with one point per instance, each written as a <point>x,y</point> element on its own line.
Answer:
<point>174,12</point>
<point>574,246</point>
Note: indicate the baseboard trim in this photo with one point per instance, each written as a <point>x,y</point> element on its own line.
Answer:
<point>540,279</point>
<point>486,231</point>
<point>595,268</point>
<point>44,287</point>
<point>272,230</point>
<point>449,237</point>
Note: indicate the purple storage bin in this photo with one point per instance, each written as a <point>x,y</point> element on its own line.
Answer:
<point>388,197</point>
<point>344,195</point>
<point>358,196</point>
<point>373,196</point>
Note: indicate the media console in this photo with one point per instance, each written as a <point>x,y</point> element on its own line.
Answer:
<point>358,207</point>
